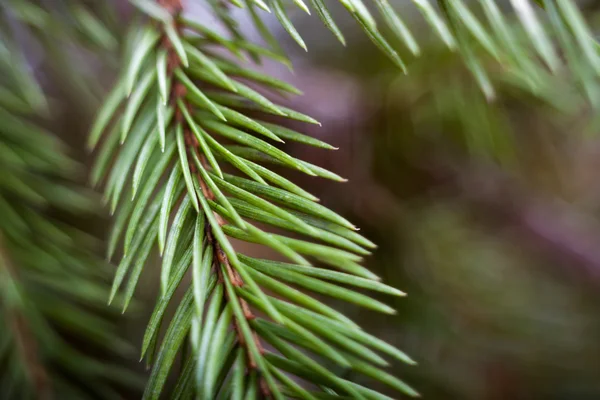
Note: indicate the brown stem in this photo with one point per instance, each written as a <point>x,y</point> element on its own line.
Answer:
<point>178,92</point>
<point>174,7</point>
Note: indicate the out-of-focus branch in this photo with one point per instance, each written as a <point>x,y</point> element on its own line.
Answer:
<point>24,337</point>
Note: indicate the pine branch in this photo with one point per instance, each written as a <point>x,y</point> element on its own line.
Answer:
<point>174,79</point>
<point>177,95</point>
<point>188,81</point>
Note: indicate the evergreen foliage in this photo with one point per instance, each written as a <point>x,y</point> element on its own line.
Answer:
<point>185,114</point>
<point>184,127</point>
<point>185,145</point>
<point>184,119</point>
<point>52,287</point>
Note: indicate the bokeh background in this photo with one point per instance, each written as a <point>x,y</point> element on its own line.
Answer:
<point>485,212</point>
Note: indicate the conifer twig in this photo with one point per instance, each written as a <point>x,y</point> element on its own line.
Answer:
<point>178,94</point>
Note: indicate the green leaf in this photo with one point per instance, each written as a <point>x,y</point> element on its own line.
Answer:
<point>246,332</point>
<point>274,267</point>
<point>226,359</point>
<point>161,71</point>
<point>257,214</point>
<point>142,162</point>
<point>118,227</point>
<point>243,91</point>
<point>148,38</point>
<point>303,337</point>
<point>470,22</point>
<point>220,197</point>
<point>325,288</point>
<point>135,102</point>
<point>185,167</point>
<point>234,160</point>
<point>184,389</point>
<point>397,26</point>
<point>194,94</point>
<point>234,117</point>
<point>106,113</point>
<point>153,10</point>
<point>289,200</point>
<point>200,136</point>
<point>252,389</point>
<point>286,23</point>
<point>178,45</point>
<point>327,19</point>
<point>162,122</point>
<point>172,191</point>
<point>262,5</point>
<point>339,259</point>
<point>297,389</point>
<point>299,297</point>
<point>210,35</point>
<point>342,342</point>
<point>140,260</point>
<point>233,100</point>
<point>258,144</point>
<point>280,181</point>
<point>152,181</point>
<point>255,235</point>
<point>290,134</point>
<point>152,330</point>
<point>174,235</point>
<point>354,332</point>
<point>294,354</point>
<point>582,33</point>
<point>216,229</point>
<point>257,201</point>
<point>104,157</point>
<point>337,229</point>
<point>382,376</point>
<point>257,155</point>
<point>267,36</point>
<point>436,22</point>
<point>126,158</point>
<point>206,332</point>
<point>217,341</point>
<point>239,371</point>
<point>262,298</point>
<point>380,42</point>
<point>202,262</point>
<point>536,32</point>
<point>267,80</point>
<point>174,337</point>
<point>211,67</point>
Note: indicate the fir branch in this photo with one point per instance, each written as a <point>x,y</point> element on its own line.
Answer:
<point>224,270</point>
<point>200,100</point>
<point>172,76</point>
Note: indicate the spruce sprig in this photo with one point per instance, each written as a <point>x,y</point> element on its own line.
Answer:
<point>189,128</point>
<point>185,179</point>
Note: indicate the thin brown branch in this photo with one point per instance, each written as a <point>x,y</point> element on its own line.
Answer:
<point>178,92</point>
